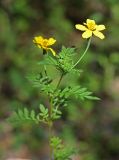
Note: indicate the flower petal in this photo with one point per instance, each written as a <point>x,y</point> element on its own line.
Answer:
<point>88,21</point>
<point>100,27</point>
<point>87,34</point>
<point>39,46</point>
<point>51,41</point>
<point>38,40</point>
<point>53,52</point>
<point>80,27</point>
<point>99,34</point>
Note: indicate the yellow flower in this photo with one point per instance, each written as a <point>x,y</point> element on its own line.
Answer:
<point>90,28</point>
<point>45,43</point>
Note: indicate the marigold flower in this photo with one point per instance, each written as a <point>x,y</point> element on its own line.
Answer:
<point>90,28</point>
<point>45,43</point>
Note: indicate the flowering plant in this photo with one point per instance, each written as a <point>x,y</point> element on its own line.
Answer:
<point>58,97</point>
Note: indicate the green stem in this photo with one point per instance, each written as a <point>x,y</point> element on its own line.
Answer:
<point>51,122</point>
<point>88,45</point>
<point>50,128</point>
<point>59,80</point>
<point>50,136</point>
<point>45,70</point>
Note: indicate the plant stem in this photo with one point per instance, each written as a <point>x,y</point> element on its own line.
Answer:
<point>50,136</point>
<point>51,122</point>
<point>50,114</point>
<point>45,70</point>
<point>50,127</point>
<point>88,45</point>
<point>59,80</point>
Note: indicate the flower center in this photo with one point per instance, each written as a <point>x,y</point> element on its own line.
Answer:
<point>45,43</point>
<point>91,26</point>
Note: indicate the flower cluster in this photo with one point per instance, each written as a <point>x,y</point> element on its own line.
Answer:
<point>90,28</point>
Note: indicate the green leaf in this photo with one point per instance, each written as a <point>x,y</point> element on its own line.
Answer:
<point>62,61</point>
<point>26,113</point>
<point>81,93</point>
<point>48,61</point>
<point>33,115</point>
<point>92,98</point>
<point>55,142</point>
<point>56,114</point>
<point>25,116</point>
<point>42,108</point>
<point>41,81</point>
<point>44,116</point>
<point>21,114</point>
<point>61,152</point>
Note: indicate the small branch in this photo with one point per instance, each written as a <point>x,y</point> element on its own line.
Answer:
<point>88,45</point>
<point>45,70</point>
<point>50,124</point>
<point>59,81</point>
<point>50,136</point>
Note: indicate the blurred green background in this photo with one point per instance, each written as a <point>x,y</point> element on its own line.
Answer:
<point>93,126</point>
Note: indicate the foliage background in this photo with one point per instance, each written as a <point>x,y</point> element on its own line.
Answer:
<point>92,126</point>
